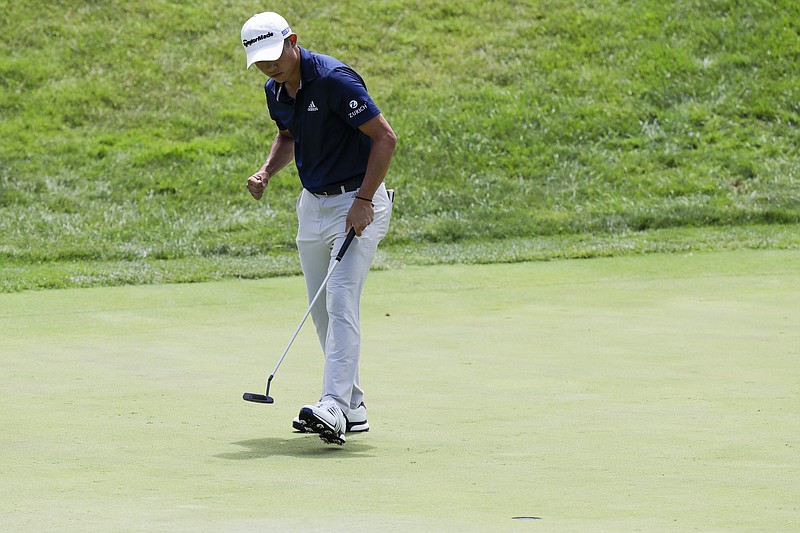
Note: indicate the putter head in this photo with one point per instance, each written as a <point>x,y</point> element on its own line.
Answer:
<point>257,398</point>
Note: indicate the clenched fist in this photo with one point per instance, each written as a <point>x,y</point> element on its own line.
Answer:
<point>257,183</point>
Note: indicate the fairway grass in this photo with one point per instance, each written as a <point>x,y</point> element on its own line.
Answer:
<point>650,393</point>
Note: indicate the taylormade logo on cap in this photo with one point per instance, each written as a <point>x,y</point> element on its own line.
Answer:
<point>259,38</point>
<point>263,36</point>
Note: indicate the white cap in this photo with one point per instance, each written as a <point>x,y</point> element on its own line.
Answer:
<point>263,36</point>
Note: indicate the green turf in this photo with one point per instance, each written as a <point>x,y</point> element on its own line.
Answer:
<point>650,393</point>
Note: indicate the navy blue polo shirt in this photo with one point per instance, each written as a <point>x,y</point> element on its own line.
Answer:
<point>324,118</point>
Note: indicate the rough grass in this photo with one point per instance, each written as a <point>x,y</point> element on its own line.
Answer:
<point>129,128</point>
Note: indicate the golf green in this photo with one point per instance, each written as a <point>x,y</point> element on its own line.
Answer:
<point>649,393</point>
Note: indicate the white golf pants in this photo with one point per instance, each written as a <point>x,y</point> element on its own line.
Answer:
<point>336,314</point>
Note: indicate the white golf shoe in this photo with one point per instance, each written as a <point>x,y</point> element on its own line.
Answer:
<point>356,421</point>
<point>325,418</point>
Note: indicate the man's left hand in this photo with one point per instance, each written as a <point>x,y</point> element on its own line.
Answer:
<point>360,216</point>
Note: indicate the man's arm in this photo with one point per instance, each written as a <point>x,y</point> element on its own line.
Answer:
<point>384,141</point>
<point>281,154</point>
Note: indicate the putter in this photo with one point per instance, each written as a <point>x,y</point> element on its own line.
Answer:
<point>266,398</point>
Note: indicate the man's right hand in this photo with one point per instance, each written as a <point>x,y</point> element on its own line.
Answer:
<point>257,183</point>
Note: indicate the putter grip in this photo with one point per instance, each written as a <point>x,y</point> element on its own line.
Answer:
<point>350,236</point>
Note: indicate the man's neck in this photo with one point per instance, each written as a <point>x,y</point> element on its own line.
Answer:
<point>291,86</point>
<point>295,81</point>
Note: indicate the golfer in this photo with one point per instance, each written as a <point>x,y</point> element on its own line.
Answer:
<point>342,147</point>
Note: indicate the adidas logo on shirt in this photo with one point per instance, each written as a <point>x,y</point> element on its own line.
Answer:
<point>312,106</point>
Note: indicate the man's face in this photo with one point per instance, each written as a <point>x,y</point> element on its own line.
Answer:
<point>280,69</point>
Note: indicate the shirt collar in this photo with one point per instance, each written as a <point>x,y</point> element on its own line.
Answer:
<point>308,67</point>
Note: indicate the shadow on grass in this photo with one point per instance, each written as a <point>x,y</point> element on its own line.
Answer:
<point>298,446</point>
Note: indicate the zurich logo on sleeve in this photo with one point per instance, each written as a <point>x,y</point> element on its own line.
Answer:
<point>356,108</point>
